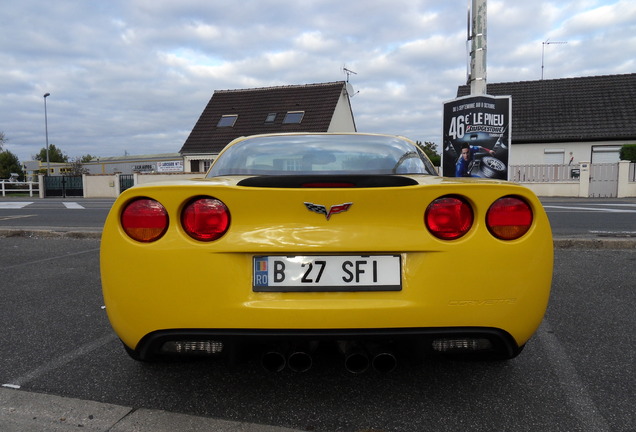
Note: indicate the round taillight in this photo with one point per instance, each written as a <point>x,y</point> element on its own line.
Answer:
<point>144,220</point>
<point>509,218</point>
<point>449,217</point>
<point>205,218</point>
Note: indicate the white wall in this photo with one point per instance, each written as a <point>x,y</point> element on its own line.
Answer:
<point>143,178</point>
<point>536,154</point>
<point>107,186</point>
<point>342,120</point>
<point>100,185</point>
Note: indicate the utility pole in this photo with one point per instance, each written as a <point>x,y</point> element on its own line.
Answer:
<point>46,132</point>
<point>477,38</point>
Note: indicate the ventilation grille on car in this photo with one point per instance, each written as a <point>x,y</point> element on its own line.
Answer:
<point>328,181</point>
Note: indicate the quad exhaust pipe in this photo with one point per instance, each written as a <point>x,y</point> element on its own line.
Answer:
<point>358,358</point>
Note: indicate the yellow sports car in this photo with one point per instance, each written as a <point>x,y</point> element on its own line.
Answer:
<point>298,242</point>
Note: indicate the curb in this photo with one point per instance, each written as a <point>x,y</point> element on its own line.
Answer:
<point>625,242</point>
<point>44,233</point>
<point>595,243</point>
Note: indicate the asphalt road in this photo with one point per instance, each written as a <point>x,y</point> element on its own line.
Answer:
<point>569,217</point>
<point>576,374</point>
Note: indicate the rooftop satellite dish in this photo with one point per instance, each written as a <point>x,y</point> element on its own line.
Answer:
<point>350,89</point>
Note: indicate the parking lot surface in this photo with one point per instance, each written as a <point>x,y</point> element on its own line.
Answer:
<point>62,367</point>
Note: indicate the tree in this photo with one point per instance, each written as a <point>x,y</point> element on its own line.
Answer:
<point>430,148</point>
<point>77,168</point>
<point>55,155</point>
<point>9,163</point>
<point>87,158</point>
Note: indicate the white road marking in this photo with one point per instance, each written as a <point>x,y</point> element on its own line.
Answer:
<point>14,205</point>
<point>15,217</point>
<point>592,209</point>
<point>60,361</point>
<point>576,394</point>
<point>72,205</point>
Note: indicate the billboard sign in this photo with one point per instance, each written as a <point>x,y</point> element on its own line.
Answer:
<point>171,166</point>
<point>477,137</point>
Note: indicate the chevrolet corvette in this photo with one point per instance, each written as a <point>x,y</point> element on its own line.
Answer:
<point>352,241</point>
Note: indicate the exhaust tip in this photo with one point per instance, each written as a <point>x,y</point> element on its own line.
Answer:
<point>357,362</point>
<point>384,362</point>
<point>273,361</point>
<point>299,361</point>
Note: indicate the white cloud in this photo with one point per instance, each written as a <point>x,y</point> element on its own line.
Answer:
<point>134,75</point>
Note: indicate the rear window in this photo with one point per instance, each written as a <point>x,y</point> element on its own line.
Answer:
<point>322,154</point>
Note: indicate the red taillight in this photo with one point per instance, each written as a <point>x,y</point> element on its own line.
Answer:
<point>509,218</point>
<point>205,219</point>
<point>449,218</point>
<point>144,220</point>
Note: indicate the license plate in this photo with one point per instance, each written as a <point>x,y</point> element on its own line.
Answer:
<point>327,273</point>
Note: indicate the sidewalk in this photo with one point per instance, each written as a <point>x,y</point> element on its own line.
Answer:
<point>22,411</point>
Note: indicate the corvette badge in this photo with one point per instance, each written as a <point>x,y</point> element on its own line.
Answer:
<point>334,209</point>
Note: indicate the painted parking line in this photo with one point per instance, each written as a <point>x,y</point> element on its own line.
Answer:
<point>576,392</point>
<point>60,361</point>
<point>14,205</point>
<point>73,205</point>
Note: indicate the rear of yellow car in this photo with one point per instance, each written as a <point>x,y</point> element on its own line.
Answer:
<point>444,265</point>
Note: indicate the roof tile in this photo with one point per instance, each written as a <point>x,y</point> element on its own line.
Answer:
<point>253,105</point>
<point>570,109</point>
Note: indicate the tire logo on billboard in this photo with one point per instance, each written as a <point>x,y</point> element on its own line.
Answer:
<point>334,209</point>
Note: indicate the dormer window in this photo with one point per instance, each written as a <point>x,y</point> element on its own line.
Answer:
<point>293,117</point>
<point>227,120</point>
<point>270,118</point>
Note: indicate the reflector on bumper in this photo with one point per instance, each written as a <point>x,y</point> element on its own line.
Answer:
<point>461,345</point>
<point>204,347</point>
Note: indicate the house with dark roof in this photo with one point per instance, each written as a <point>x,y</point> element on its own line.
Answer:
<point>569,120</point>
<point>234,113</point>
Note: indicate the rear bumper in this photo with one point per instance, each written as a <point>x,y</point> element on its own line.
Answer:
<point>423,341</point>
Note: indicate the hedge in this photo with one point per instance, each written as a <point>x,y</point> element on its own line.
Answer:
<point>628,152</point>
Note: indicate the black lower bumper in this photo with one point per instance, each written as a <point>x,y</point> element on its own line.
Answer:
<point>481,341</point>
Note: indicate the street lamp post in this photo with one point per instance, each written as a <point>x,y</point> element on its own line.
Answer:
<point>46,133</point>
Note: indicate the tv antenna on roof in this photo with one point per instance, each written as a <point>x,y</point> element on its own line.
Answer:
<point>547,42</point>
<point>349,87</point>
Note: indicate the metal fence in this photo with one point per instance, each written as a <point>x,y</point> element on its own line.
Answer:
<point>544,173</point>
<point>63,186</point>
<point>632,172</point>
<point>126,181</point>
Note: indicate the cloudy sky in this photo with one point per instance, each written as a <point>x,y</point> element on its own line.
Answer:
<point>134,75</point>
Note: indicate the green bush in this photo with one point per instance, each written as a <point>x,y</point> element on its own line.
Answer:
<point>628,152</point>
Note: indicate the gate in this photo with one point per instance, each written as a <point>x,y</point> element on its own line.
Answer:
<point>604,180</point>
<point>126,181</point>
<point>63,186</point>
